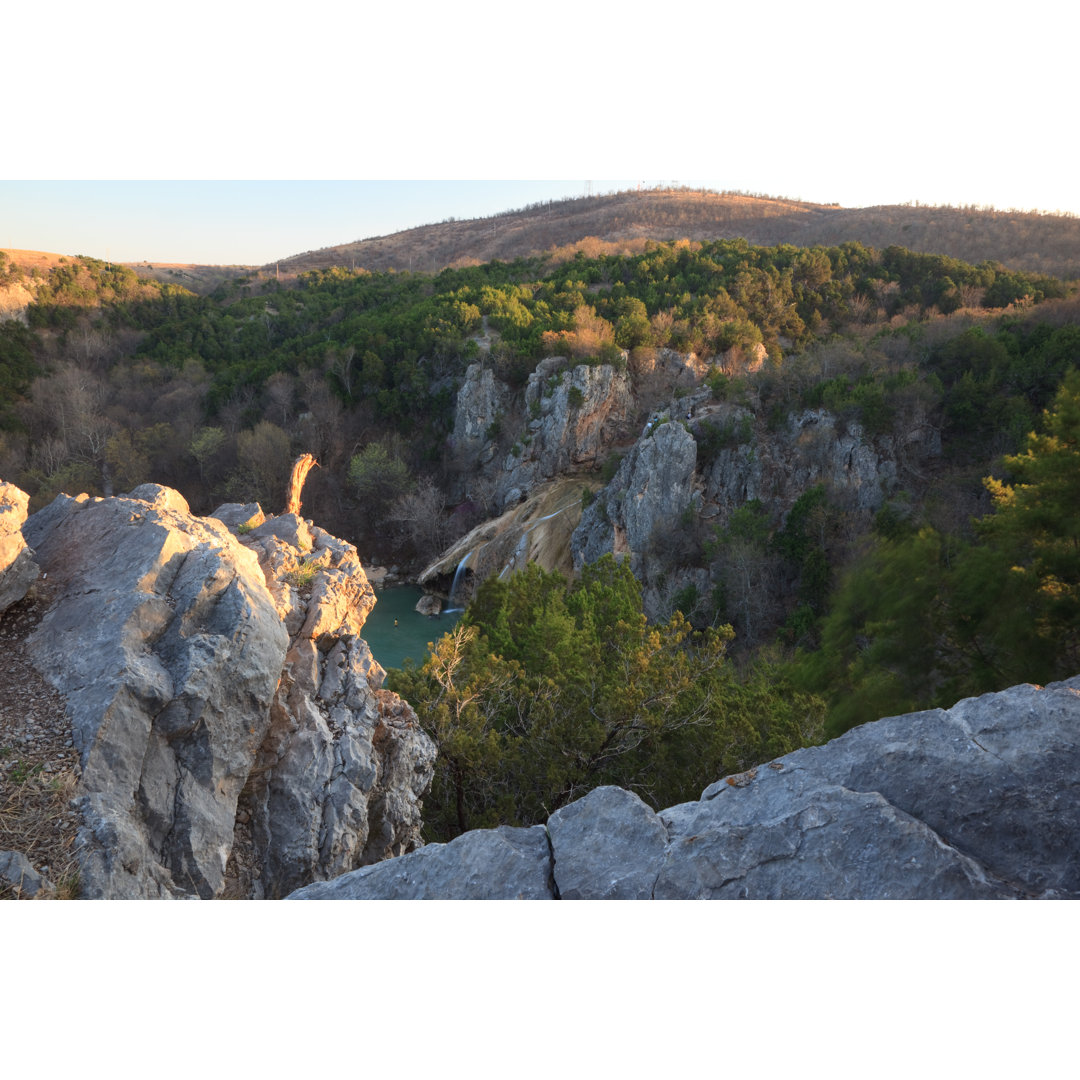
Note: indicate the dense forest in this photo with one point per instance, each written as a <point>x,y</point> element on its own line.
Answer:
<point>965,580</point>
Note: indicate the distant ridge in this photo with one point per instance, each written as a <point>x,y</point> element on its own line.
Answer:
<point>1043,243</point>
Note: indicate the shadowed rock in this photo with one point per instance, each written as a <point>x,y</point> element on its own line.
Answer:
<point>18,571</point>
<point>487,864</point>
<point>980,801</point>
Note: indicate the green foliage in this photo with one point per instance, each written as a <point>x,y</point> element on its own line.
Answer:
<point>302,575</point>
<point>545,690</point>
<point>925,618</point>
<point>712,437</point>
<point>1036,525</point>
<point>378,475</point>
<point>265,462</point>
<point>18,368</point>
<point>610,467</point>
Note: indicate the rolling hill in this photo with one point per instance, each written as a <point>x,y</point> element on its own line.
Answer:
<point>1036,242</point>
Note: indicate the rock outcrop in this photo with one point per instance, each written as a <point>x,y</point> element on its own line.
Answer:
<point>812,448</point>
<point>232,736</point>
<point>643,508</point>
<point>339,779</point>
<point>18,571</point>
<point>568,418</point>
<point>980,801</point>
<point>482,401</point>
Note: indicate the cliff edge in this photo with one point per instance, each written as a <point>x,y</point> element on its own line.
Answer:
<point>980,801</point>
<point>232,733</point>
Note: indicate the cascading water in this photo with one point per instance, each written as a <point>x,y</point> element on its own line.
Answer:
<point>454,585</point>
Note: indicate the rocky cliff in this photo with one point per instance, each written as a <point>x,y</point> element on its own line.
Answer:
<point>232,734</point>
<point>980,801</point>
<point>567,418</point>
<point>684,472</point>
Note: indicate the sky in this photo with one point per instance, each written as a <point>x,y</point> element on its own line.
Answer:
<point>221,133</point>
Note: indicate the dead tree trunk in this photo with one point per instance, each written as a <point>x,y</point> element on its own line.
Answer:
<point>301,467</point>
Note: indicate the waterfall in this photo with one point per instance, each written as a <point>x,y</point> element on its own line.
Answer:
<point>457,577</point>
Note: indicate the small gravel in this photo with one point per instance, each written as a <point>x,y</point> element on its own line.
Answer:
<point>39,767</point>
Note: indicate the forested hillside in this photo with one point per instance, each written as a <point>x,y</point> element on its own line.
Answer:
<point>793,606</point>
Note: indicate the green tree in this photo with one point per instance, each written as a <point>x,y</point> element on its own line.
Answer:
<point>379,476</point>
<point>546,690</point>
<point>1036,524</point>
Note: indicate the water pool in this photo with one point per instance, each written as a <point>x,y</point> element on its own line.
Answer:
<point>395,630</point>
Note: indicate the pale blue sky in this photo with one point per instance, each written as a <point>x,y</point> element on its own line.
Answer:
<point>235,221</point>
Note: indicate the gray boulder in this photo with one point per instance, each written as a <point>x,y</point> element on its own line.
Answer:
<point>166,644</point>
<point>574,412</point>
<point>487,864</point>
<point>607,846</point>
<point>18,875</point>
<point>18,571</point>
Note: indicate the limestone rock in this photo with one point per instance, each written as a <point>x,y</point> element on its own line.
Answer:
<point>813,448</point>
<point>167,647</point>
<point>240,516</point>
<point>487,864</point>
<point>573,414</point>
<point>429,605</point>
<point>607,846</point>
<point>340,778</point>
<point>225,710</point>
<point>980,801</point>
<point>569,415</point>
<point>636,515</point>
<point>482,401</point>
<point>18,571</point>
<point>17,873</point>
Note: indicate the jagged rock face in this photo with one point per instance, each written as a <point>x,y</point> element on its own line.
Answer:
<point>339,780</point>
<point>651,491</point>
<point>811,449</point>
<point>981,801</point>
<point>481,402</point>
<point>647,500</point>
<point>192,687</point>
<point>18,571</point>
<point>570,416</point>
